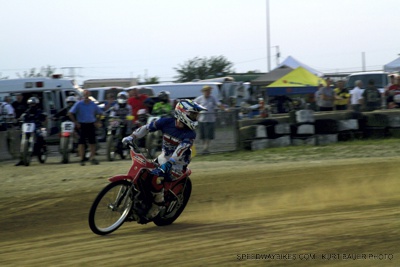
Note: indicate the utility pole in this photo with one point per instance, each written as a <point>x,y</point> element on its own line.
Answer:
<point>268,39</point>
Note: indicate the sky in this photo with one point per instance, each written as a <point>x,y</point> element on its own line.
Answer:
<point>99,39</point>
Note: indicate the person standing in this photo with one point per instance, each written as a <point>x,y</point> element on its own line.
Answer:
<point>356,96</point>
<point>371,97</point>
<point>19,105</point>
<point>136,101</point>
<point>207,118</point>
<point>85,115</point>
<point>342,96</point>
<point>327,97</point>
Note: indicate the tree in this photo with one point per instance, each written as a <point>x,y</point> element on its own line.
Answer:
<point>148,80</point>
<point>44,72</point>
<point>201,68</point>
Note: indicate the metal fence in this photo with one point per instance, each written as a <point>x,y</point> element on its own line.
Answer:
<point>226,133</point>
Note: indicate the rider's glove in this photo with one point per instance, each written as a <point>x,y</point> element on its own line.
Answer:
<point>164,169</point>
<point>127,140</point>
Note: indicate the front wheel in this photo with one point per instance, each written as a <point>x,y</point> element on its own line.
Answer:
<point>175,203</point>
<point>64,147</point>
<point>26,154</point>
<point>111,207</point>
<point>110,148</point>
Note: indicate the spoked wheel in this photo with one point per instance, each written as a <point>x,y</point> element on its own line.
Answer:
<point>26,154</point>
<point>110,148</point>
<point>111,207</point>
<point>42,153</point>
<point>176,203</point>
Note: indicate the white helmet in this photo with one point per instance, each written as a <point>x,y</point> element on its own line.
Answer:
<point>71,98</point>
<point>33,100</point>
<point>187,111</point>
<point>122,97</point>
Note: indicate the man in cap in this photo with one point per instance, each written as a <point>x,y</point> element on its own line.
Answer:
<point>207,118</point>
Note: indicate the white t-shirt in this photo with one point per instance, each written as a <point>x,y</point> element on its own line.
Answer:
<point>356,95</point>
<point>210,103</point>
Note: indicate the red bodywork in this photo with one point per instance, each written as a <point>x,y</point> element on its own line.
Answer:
<point>139,163</point>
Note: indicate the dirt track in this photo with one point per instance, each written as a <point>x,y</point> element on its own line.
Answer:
<point>301,214</point>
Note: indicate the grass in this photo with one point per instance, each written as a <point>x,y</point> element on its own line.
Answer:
<point>341,150</point>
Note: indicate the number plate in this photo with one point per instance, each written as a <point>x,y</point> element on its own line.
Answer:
<point>67,127</point>
<point>28,127</point>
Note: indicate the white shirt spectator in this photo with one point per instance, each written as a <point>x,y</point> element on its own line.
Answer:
<point>6,112</point>
<point>356,95</point>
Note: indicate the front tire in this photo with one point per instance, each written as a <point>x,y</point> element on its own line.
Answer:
<point>110,148</point>
<point>175,206</point>
<point>64,142</point>
<point>26,154</point>
<point>110,208</point>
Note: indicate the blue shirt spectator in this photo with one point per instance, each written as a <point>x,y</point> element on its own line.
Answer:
<point>86,112</point>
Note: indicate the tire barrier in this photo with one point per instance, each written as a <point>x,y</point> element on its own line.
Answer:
<point>307,128</point>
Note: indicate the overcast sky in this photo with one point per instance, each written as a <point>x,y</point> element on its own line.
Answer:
<point>128,38</point>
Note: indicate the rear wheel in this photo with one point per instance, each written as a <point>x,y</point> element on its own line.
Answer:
<point>110,148</point>
<point>176,203</point>
<point>42,152</point>
<point>110,208</point>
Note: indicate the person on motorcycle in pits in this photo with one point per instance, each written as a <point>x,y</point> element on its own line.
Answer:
<point>178,137</point>
<point>34,114</point>
<point>163,107</point>
<point>121,109</point>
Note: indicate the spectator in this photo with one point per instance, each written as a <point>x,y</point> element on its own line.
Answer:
<point>163,107</point>
<point>393,90</point>
<point>19,105</point>
<point>85,115</point>
<point>7,114</point>
<point>317,97</point>
<point>327,97</point>
<point>109,102</point>
<point>371,97</point>
<point>207,118</point>
<point>136,101</point>
<point>356,96</point>
<point>342,98</point>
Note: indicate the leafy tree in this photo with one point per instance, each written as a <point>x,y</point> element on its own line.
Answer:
<point>148,80</point>
<point>201,68</point>
<point>44,72</point>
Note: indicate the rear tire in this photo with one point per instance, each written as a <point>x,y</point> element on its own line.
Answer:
<point>184,189</point>
<point>110,208</point>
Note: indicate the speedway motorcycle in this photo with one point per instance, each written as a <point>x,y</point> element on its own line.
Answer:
<point>115,132</point>
<point>128,197</point>
<point>31,144</point>
<point>66,140</point>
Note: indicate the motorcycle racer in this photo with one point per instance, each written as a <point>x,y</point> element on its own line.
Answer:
<point>34,114</point>
<point>163,107</point>
<point>178,137</point>
<point>121,109</point>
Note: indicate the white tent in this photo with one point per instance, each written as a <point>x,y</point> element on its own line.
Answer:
<point>393,66</point>
<point>293,63</point>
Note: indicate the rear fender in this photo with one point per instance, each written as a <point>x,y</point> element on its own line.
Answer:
<point>120,177</point>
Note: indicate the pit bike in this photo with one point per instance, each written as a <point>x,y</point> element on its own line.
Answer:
<point>66,140</point>
<point>32,143</point>
<point>128,198</point>
<point>115,132</point>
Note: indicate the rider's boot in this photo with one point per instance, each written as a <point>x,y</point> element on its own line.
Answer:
<point>158,202</point>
